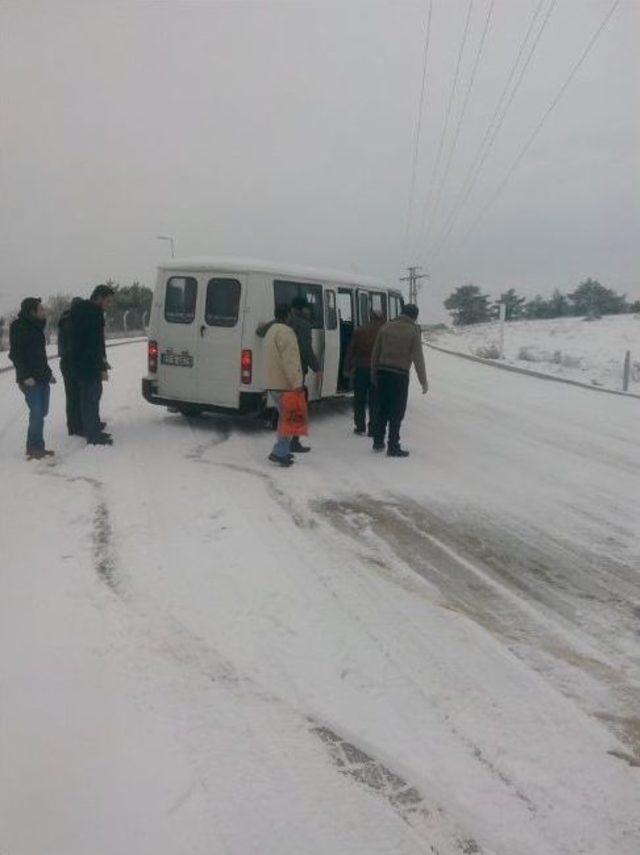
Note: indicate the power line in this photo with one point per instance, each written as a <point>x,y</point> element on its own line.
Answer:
<point>464,108</point>
<point>445,128</point>
<point>416,147</point>
<point>554,103</point>
<point>499,116</point>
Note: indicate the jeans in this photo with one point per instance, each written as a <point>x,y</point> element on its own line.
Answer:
<point>363,399</point>
<point>37,398</point>
<point>392,391</point>
<point>282,446</point>
<point>90,392</point>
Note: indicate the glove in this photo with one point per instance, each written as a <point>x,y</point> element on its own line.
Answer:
<point>105,376</point>
<point>52,380</point>
<point>425,388</point>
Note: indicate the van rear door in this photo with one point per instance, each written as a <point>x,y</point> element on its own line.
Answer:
<point>177,339</point>
<point>220,340</point>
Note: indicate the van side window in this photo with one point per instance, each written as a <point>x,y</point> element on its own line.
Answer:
<point>180,300</point>
<point>345,306</point>
<point>393,307</point>
<point>363,307</point>
<point>379,303</point>
<point>223,302</point>
<point>331,319</point>
<point>285,291</point>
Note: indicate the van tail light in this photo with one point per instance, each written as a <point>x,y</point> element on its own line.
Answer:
<point>152,356</point>
<point>246,367</point>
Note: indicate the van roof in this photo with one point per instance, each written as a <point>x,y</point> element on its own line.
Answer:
<point>251,265</point>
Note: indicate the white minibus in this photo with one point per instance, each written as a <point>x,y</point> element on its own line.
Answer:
<point>204,353</point>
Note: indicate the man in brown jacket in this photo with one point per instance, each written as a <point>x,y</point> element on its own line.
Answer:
<point>397,347</point>
<point>358,364</point>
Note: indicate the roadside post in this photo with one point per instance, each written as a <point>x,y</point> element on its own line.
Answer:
<point>626,371</point>
<point>503,317</point>
<point>125,320</point>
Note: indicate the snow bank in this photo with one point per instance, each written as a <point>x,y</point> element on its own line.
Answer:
<point>574,348</point>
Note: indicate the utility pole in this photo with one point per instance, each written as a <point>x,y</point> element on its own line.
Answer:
<point>413,279</point>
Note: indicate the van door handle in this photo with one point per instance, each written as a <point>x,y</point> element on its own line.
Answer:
<point>203,329</point>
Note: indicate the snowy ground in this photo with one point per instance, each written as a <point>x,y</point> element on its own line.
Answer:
<point>589,351</point>
<point>200,654</point>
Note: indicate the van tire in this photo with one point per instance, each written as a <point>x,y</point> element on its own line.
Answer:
<point>191,411</point>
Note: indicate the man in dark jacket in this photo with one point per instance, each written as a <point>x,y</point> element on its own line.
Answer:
<point>397,347</point>
<point>300,323</point>
<point>88,360</point>
<point>71,387</point>
<point>28,353</point>
<point>358,364</point>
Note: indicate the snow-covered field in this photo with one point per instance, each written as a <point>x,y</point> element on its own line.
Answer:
<point>201,655</point>
<point>589,351</point>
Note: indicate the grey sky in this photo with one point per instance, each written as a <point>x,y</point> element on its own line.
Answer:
<point>284,130</point>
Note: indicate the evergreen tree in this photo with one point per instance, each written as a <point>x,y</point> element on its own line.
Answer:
<point>468,305</point>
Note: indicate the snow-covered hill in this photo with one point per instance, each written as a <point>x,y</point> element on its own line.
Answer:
<point>590,351</point>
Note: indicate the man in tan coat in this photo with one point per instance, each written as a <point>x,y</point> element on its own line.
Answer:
<point>397,347</point>
<point>283,373</point>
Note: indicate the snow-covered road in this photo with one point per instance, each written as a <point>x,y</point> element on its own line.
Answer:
<point>201,655</point>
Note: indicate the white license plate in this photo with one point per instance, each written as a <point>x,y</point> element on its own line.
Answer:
<point>182,360</point>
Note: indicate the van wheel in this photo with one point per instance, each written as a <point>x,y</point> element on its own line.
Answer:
<point>192,411</point>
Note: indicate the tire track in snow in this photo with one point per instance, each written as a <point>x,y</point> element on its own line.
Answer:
<point>105,560</point>
<point>519,595</point>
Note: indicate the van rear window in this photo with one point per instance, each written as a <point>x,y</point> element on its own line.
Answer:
<point>223,302</point>
<point>180,300</point>
<point>285,291</point>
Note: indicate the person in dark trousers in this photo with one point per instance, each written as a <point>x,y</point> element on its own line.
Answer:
<point>71,386</point>
<point>300,323</point>
<point>358,365</point>
<point>397,346</point>
<point>89,365</point>
<point>28,352</point>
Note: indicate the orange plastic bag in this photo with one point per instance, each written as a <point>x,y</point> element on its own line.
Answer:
<point>294,419</point>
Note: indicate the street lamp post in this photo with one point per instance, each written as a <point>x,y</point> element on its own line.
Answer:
<point>172,243</point>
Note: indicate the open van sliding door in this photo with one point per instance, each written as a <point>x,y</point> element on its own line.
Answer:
<point>219,328</point>
<point>331,357</point>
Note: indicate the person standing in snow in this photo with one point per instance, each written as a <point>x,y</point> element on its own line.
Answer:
<point>358,364</point>
<point>283,373</point>
<point>28,352</point>
<point>88,360</point>
<point>71,386</point>
<point>397,346</point>
<point>300,321</point>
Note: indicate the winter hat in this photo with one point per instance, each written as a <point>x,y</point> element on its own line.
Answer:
<point>29,305</point>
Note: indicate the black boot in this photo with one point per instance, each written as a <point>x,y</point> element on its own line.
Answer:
<point>397,452</point>
<point>296,446</point>
<point>101,439</point>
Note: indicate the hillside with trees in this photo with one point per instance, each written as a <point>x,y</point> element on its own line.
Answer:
<point>468,305</point>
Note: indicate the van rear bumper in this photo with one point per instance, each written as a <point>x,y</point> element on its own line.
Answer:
<point>251,403</point>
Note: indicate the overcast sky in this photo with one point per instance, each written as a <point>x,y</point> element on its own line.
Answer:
<point>285,130</point>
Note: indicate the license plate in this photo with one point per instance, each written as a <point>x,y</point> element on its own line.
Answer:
<point>182,360</point>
